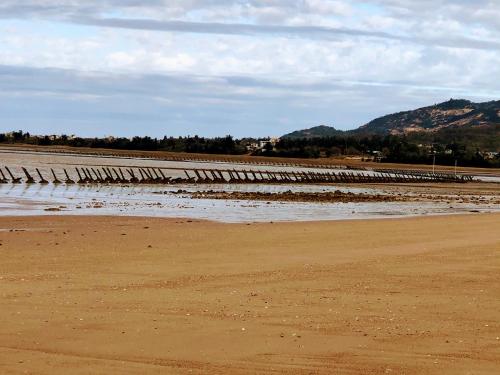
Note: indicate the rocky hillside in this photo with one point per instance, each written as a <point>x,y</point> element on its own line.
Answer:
<point>452,115</point>
<point>476,125</point>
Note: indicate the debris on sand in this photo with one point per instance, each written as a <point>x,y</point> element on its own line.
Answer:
<point>290,196</point>
<point>336,196</point>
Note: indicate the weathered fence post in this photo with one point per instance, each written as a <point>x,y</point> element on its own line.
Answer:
<point>15,180</point>
<point>42,180</point>
<point>29,179</point>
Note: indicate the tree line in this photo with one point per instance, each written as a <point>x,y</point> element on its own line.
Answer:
<point>390,148</point>
<point>195,144</point>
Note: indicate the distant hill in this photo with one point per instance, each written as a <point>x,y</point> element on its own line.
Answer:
<point>451,115</point>
<point>315,132</point>
<point>461,121</point>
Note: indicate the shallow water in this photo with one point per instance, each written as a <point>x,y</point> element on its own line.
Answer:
<point>158,200</point>
<point>153,201</point>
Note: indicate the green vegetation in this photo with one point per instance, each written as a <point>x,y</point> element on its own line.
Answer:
<point>223,145</point>
<point>315,132</point>
<point>390,148</point>
<point>417,149</point>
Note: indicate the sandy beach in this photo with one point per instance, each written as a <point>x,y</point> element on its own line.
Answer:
<point>124,295</point>
<point>240,187</point>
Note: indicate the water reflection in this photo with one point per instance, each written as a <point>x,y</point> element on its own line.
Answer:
<point>151,200</point>
<point>157,201</point>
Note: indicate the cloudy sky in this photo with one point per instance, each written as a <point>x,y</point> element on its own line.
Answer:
<point>241,67</point>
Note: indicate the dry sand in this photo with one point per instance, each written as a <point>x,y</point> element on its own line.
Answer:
<point>110,295</point>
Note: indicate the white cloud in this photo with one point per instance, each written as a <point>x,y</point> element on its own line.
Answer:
<point>297,53</point>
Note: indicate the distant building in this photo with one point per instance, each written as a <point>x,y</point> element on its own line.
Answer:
<point>272,141</point>
<point>491,155</point>
<point>263,144</point>
<point>377,155</point>
<point>252,146</point>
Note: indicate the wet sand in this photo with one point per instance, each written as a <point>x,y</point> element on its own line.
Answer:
<point>118,295</point>
<point>290,196</point>
<point>250,202</point>
<point>403,194</point>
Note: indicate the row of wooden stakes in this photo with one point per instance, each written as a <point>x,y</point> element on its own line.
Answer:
<point>198,158</point>
<point>88,175</point>
<point>149,175</point>
<point>252,176</point>
<point>429,174</point>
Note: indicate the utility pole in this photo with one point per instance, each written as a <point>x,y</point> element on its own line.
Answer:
<point>456,162</point>
<point>434,162</point>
